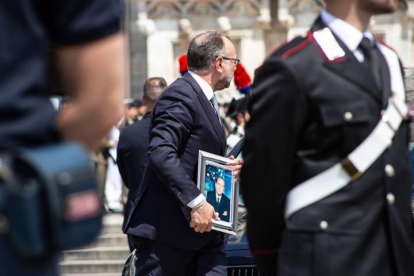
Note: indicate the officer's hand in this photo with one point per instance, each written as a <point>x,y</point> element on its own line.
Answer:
<point>236,167</point>
<point>201,217</point>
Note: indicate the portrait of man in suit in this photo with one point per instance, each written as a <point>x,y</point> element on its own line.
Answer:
<point>219,200</point>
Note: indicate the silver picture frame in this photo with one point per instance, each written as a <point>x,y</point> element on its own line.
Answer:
<point>211,168</point>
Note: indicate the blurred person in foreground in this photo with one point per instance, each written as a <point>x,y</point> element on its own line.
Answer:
<point>328,185</point>
<point>170,220</point>
<point>89,56</point>
<point>133,144</point>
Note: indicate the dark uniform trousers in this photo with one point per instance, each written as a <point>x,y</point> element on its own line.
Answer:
<point>308,112</point>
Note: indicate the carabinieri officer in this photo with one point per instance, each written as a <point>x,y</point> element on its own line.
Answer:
<point>327,179</point>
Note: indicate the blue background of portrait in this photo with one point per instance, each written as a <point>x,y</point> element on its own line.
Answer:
<point>212,172</point>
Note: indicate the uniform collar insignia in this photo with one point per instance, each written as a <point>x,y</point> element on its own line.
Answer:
<point>328,44</point>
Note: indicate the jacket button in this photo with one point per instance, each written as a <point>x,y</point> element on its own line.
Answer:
<point>389,170</point>
<point>323,225</point>
<point>390,199</point>
<point>4,224</point>
<point>348,116</point>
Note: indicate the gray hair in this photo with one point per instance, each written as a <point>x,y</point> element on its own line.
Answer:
<point>204,49</point>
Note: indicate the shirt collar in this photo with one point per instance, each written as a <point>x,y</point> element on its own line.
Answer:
<point>347,33</point>
<point>208,91</point>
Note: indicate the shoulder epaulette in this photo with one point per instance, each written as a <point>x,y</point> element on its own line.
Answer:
<point>327,45</point>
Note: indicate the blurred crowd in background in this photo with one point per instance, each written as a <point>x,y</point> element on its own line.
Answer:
<point>234,115</point>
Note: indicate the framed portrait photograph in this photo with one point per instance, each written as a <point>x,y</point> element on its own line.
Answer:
<point>216,182</point>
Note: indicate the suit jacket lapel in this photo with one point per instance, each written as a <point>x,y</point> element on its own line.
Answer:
<point>349,67</point>
<point>208,109</point>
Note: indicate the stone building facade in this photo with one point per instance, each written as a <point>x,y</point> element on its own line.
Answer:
<point>160,31</point>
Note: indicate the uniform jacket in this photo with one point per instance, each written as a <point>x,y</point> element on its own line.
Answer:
<point>298,128</point>
<point>132,157</point>
<point>183,122</point>
<point>223,208</point>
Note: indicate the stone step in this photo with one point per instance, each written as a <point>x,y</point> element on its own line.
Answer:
<point>109,240</point>
<point>112,224</point>
<point>111,229</point>
<point>84,267</point>
<point>102,253</point>
<point>113,219</point>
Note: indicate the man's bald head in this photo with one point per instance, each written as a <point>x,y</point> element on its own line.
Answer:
<point>153,87</point>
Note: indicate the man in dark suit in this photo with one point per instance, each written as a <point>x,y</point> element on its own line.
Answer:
<point>219,200</point>
<point>133,144</point>
<point>315,101</point>
<point>170,220</point>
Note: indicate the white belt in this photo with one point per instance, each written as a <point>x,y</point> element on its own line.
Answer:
<point>354,165</point>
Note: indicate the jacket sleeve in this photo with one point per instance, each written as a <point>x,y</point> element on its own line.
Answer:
<point>173,119</point>
<point>123,155</point>
<point>277,112</point>
<point>69,22</point>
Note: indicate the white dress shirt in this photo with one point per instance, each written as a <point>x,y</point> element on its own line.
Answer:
<point>348,34</point>
<point>218,198</point>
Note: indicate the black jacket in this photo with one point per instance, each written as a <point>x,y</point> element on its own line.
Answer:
<point>297,130</point>
<point>132,157</point>
<point>183,122</point>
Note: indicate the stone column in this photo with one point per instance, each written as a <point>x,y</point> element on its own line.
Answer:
<point>304,13</point>
<point>275,32</point>
<point>137,40</point>
<point>396,31</point>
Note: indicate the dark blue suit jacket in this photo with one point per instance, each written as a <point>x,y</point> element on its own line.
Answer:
<point>132,158</point>
<point>183,122</point>
<point>222,208</point>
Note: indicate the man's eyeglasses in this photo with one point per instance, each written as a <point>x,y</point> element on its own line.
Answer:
<point>236,61</point>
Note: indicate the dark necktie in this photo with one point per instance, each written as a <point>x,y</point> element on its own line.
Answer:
<point>373,60</point>
<point>216,107</point>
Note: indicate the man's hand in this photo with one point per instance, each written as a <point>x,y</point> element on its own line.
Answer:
<point>201,217</point>
<point>236,167</point>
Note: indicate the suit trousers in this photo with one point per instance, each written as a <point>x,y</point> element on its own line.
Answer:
<point>155,259</point>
